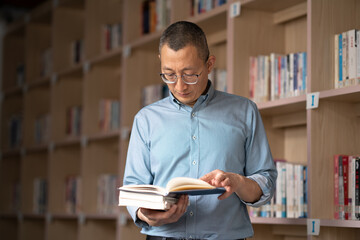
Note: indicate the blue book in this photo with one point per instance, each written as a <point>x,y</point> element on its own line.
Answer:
<point>340,61</point>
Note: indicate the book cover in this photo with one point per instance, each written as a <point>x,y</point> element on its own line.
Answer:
<point>336,186</point>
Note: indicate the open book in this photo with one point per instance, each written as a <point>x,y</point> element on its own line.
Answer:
<point>155,197</point>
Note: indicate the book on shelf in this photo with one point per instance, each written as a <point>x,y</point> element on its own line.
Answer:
<point>277,76</point>
<point>42,129</point>
<point>109,115</point>
<point>219,78</point>
<point>20,74</point>
<point>161,198</point>
<point>346,187</point>
<point>153,93</point>
<point>73,121</point>
<point>72,194</point>
<point>77,51</point>
<point>202,6</point>
<point>155,15</point>
<point>46,63</point>
<point>15,130</point>
<point>290,197</point>
<point>111,36</point>
<point>40,195</point>
<point>107,185</point>
<point>347,58</point>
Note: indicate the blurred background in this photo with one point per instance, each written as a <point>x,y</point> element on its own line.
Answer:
<point>74,73</point>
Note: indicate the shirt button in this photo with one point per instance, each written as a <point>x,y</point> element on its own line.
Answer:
<point>191,214</point>
<point>194,162</point>
<point>194,137</point>
<point>193,114</point>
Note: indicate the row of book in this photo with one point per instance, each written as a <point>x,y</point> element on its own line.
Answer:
<point>109,115</point>
<point>72,194</point>
<point>153,93</point>
<point>346,187</point>
<point>15,130</point>
<point>73,121</point>
<point>107,198</point>
<point>201,6</point>
<point>42,129</point>
<point>290,198</point>
<point>277,76</point>
<point>155,15</point>
<point>219,78</point>
<point>112,36</point>
<point>40,196</point>
<point>347,58</point>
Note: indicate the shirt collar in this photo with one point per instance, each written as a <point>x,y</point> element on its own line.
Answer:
<point>203,99</point>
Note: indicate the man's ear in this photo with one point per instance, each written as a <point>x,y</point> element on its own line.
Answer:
<point>211,63</point>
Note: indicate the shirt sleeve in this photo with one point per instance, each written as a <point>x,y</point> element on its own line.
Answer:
<point>259,166</point>
<point>137,168</point>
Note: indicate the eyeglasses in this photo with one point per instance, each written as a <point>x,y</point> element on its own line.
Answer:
<point>187,78</point>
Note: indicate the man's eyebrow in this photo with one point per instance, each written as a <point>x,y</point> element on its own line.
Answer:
<point>184,69</point>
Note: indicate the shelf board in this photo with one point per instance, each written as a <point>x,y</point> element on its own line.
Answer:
<point>69,141</point>
<point>272,5</point>
<point>37,148</point>
<point>104,136</point>
<point>64,216</point>
<point>8,216</point>
<point>278,221</point>
<point>146,40</point>
<point>340,223</point>
<point>73,71</point>
<point>13,91</point>
<point>11,152</point>
<point>347,94</point>
<point>108,57</point>
<point>34,216</point>
<point>101,216</point>
<point>39,83</point>
<point>284,105</point>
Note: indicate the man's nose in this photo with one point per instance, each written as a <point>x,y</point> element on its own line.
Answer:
<point>180,85</point>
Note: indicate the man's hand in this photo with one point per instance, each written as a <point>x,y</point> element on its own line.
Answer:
<point>247,189</point>
<point>158,218</point>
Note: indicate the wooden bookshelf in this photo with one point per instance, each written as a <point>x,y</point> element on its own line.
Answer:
<point>308,137</point>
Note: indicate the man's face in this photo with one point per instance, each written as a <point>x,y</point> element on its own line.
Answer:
<point>185,61</point>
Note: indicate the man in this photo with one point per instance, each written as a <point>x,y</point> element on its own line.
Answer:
<point>202,133</point>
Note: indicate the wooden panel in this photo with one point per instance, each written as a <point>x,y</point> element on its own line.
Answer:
<point>296,35</point>
<point>295,141</point>
<point>131,231</point>
<point>66,93</point>
<point>62,229</point>
<point>288,120</point>
<point>37,103</point>
<point>254,34</point>
<point>291,13</point>
<point>38,39</point>
<point>64,163</point>
<point>329,17</point>
<point>97,14</point>
<point>9,229</point>
<point>337,233</point>
<point>100,83</point>
<point>100,157</point>
<point>104,229</point>
<point>9,181</point>
<point>68,26</point>
<point>334,130</point>
<point>32,230</point>
<point>33,166</point>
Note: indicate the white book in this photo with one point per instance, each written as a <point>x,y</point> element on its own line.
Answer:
<point>345,59</point>
<point>351,56</point>
<point>351,192</point>
<point>336,61</point>
<point>290,194</point>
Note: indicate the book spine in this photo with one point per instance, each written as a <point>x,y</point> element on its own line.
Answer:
<point>352,56</point>
<point>340,83</point>
<point>336,186</point>
<point>336,60</point>
<point>345,58</point>
<point>351,206</point>
<point>345,160</point>
<point>357,188</point>
<point>357,41</point>
<point>341,190</point>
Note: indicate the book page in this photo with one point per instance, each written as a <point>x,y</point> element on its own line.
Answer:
<point>184,183</point>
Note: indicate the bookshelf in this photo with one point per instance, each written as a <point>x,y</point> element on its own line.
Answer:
<point>83,73</point>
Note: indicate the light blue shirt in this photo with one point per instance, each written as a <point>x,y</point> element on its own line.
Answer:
<point>222,131</point>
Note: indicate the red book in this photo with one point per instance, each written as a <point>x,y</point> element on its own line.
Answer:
<point>345,160</point>
<point>336,186</point>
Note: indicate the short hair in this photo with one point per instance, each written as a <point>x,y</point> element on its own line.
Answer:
<point>180,34</point>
